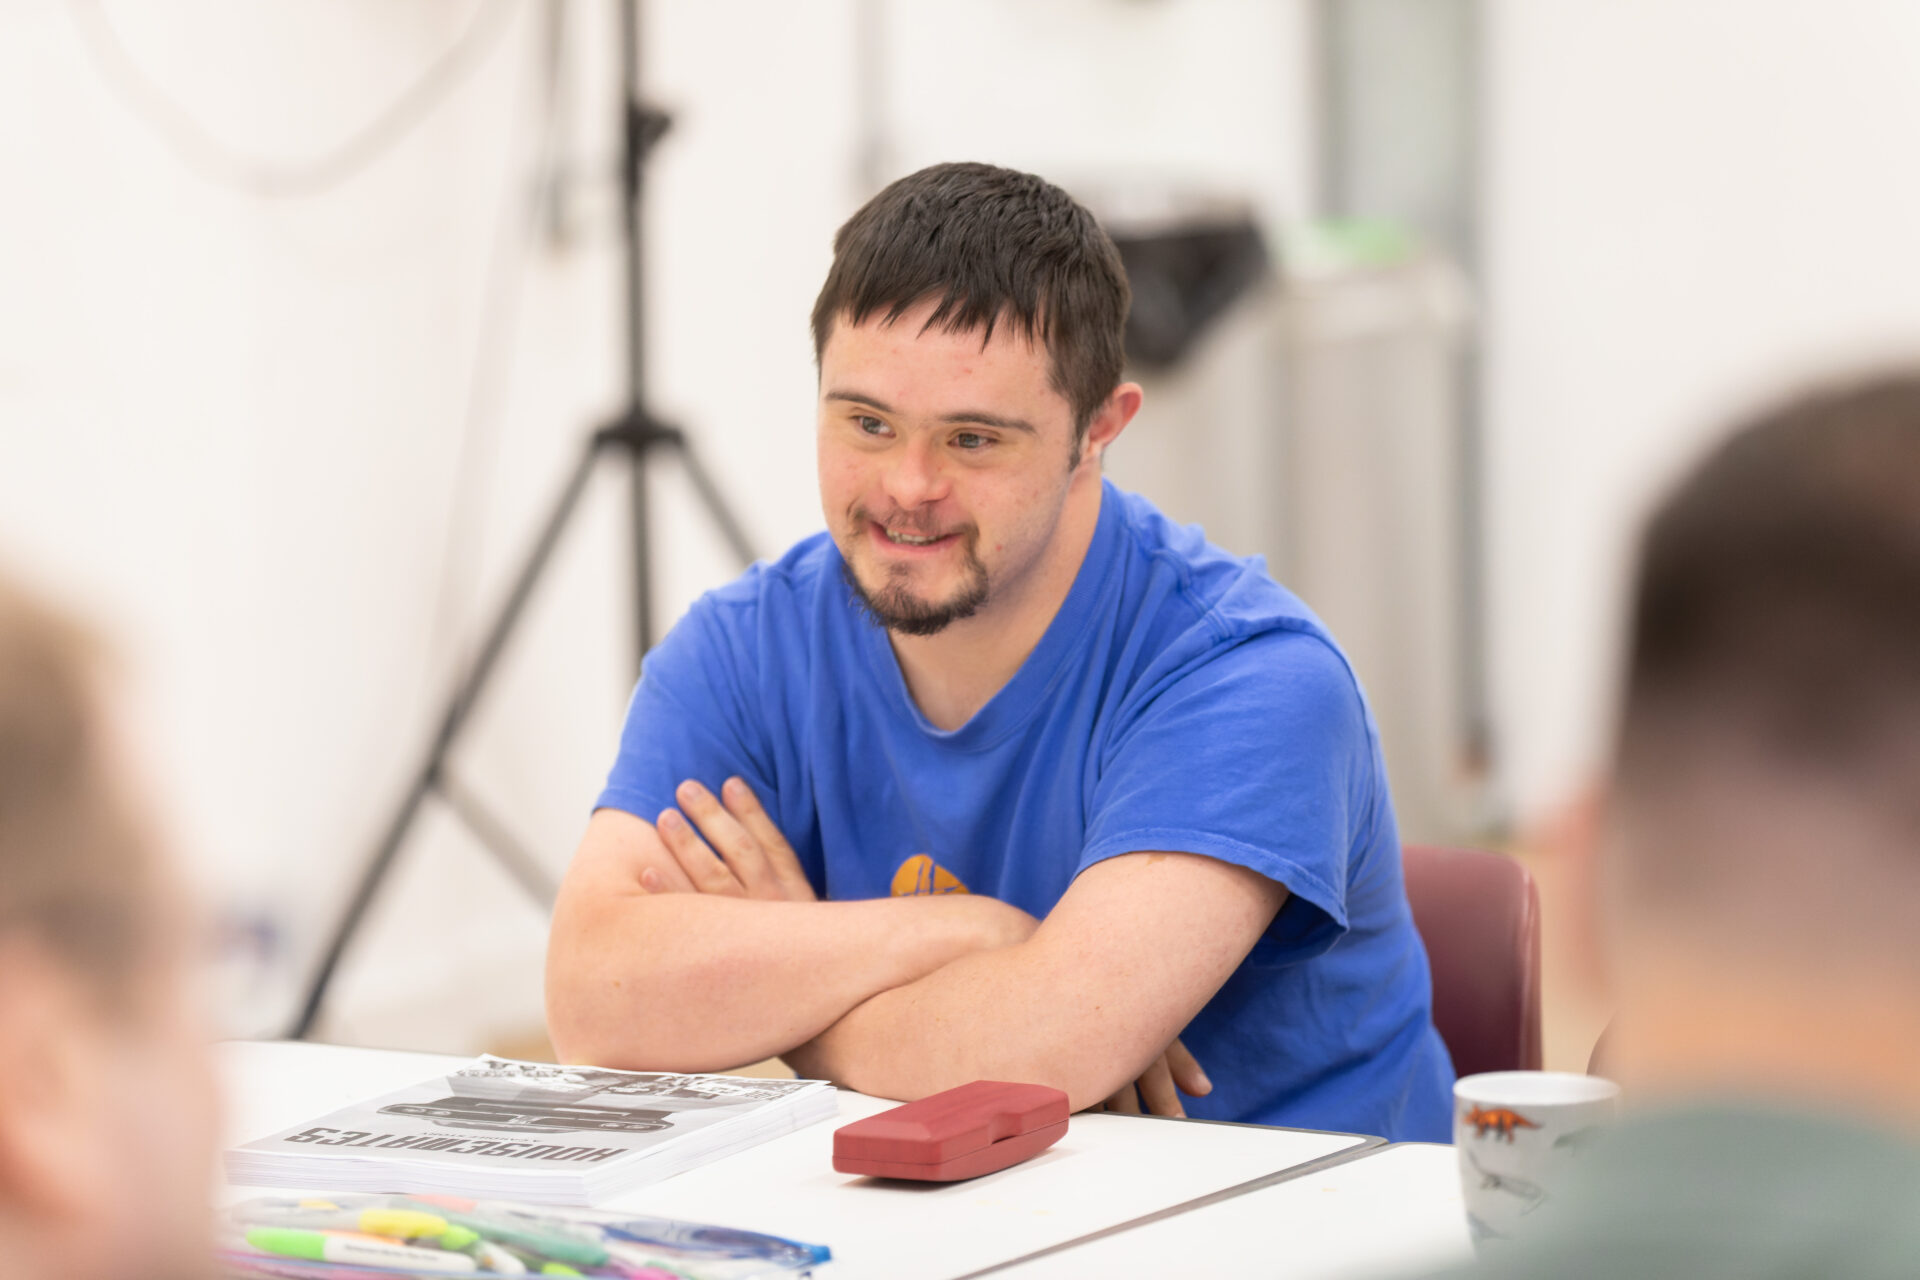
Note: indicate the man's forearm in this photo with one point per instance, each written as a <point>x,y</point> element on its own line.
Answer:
<point>1130,954</point>
<point>1007,1014</point>
<point>693,982</point>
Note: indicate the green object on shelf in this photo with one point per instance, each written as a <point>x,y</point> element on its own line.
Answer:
<point>1333,244</point>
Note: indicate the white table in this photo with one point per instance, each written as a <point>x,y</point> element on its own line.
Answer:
<point>1390,1211</point>
<point>1106,1172</point>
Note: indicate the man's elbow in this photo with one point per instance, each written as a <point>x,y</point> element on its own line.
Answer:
<point>1093,1084</point>
<point>593,1015</point>
<point>637,1013</point>
<point>1089,1059</point>
<point>596,1028</point>
<point>1088,1076</point>
<point>579,1024</point>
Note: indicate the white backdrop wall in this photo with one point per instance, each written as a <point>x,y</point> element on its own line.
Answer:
<point>237,429</point>
<point>1691,203</point>
<point>233,428</point>
<point>247,433</point>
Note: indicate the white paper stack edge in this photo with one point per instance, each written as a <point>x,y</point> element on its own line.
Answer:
<point>500,1129</point>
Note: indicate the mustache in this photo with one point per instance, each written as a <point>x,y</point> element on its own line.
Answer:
<point>903,522</point>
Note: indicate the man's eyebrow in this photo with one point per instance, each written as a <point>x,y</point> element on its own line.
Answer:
<point>984,419</point>
<point>977,417</point>
<point>860,397</point>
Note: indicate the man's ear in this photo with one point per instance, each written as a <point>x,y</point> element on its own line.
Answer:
<point>53,1153</point>
<point>1111,419</point>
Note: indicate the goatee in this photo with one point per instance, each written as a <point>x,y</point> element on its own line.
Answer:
<point>897,609</point>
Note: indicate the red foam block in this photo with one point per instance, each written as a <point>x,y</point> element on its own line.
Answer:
<point>962,1133</point>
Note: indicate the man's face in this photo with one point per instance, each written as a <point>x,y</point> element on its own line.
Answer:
<point>109,1126</point>
<point>160,1093</point>
<point>944,466</point>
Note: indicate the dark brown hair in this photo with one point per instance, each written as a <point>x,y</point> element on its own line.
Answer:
<point>1777,614</point>
<point>991,246</point>
<point>75,868</point>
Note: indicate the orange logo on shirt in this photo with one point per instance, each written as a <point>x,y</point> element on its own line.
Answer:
<point>920,874</point>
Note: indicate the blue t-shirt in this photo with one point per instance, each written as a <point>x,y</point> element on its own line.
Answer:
<point>1181,700</point>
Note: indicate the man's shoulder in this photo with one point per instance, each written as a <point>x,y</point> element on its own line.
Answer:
<point>1193,584</point>
<point>1208,629</point>
<point>767,622</point>
<point>789,586</point>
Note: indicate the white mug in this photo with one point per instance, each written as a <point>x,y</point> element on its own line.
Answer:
<point>1518,1133</point>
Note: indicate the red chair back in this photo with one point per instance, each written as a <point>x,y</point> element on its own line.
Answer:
<point>1479,914</point>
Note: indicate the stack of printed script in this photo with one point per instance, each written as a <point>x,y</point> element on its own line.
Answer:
<point>532,1131</point>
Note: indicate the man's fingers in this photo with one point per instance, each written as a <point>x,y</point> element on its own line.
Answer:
<point>667,879</point>
<point>726,844</point>
<point>1187,1072</point>
<point>702,866</point>
<point>741,852</point>
<point>1157,1096</point>
<point>1127,1102</point>
<point>785,864</point>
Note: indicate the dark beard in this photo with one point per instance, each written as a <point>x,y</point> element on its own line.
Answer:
<point>891,607</point>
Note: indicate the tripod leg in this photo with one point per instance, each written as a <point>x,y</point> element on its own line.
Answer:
<point>642,561</point>
<point>716,505</point>
<point>507,851</point>
<point>466,693</point>
<point>363,895</point>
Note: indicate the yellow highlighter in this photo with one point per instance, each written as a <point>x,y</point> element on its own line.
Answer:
<point>393,1224</point>
<point>402,1224</point>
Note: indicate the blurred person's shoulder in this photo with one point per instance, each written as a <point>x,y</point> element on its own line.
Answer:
<point>1729,1190</point>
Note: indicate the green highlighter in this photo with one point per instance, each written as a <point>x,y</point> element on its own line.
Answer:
<point>325,1246</point>
<point>573,1250</point>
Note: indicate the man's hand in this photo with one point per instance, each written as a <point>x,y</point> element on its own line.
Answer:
<point>729,846</point>
<point>1154,1092</point>
<point>648,974</point>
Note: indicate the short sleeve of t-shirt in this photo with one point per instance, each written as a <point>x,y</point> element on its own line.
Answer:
<point>690,717</point>
<point>1259,755</point>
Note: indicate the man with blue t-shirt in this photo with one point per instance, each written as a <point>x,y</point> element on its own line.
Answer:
<point>1004,776</point>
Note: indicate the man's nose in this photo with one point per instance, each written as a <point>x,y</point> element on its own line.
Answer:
<point>915,476</point>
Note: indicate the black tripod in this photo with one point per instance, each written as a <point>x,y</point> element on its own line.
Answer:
<point>635,433</point>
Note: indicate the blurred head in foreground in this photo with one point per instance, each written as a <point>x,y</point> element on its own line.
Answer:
<point>106,1101</point>
<point>1760,869</point>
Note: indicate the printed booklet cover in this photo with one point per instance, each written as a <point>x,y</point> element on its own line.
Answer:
<point>532,1131</point>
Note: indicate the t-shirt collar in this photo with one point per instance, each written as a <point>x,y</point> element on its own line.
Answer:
<point>1066,637</point>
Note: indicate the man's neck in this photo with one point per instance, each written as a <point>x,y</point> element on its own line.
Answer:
<point>953,674</point>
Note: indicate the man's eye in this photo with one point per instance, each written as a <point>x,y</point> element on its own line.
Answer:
<point>971,441</point>
<point>870,425</point>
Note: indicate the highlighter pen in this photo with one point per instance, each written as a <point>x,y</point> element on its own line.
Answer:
<point>398,1224</point>
<point>319,1246</point>
<point>631,1267</point>
<point>576,1243</point>
<point>574,1250</point>
<point>495,1258</point>
<point>239,1260</point>
<point>634,1263</point>
<point>537,1265</point>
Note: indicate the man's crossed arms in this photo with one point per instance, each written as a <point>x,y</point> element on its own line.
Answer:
<point>696,943</point>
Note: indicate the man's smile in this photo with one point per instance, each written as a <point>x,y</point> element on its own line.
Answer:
<point>907,542</point>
